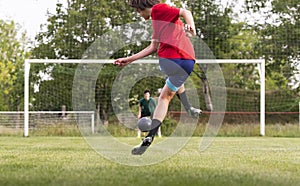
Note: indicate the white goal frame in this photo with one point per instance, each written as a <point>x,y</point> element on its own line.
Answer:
<point>259,62</point>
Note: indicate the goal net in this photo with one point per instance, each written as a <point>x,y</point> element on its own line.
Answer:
<point>45,123</point>
<point>49,90</point>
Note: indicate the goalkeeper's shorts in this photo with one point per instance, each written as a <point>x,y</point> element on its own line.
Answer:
<point>177,70</point>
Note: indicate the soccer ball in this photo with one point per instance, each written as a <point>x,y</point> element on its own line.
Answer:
<point>144,124</point>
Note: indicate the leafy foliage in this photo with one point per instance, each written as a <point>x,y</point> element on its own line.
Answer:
<point>12,57</point>
<point>73,29</point>
<point>279,39</point>
<point>69,33</point>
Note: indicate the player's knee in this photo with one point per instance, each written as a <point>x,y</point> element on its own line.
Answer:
<point>167,95</point>
<point>181,89</point>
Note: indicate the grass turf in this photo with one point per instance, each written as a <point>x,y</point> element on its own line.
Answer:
<point>228,161</point>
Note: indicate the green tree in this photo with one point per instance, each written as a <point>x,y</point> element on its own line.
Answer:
<point>68,34</point>
<point>279,39</point>
<point>12,57</point>
<point>71,30</point>
<point>243,44</point>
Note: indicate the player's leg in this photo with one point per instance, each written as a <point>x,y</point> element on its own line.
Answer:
<point>138,133</point>
<point>178,73</point>
<point>159,132</point>
<point>181,94</point>
<point>159,114</point>
<point>161,109</point>
<point>164,99</point>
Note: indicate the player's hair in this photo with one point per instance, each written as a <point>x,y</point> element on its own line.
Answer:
<point>147,91</point>
<point>142,4</point>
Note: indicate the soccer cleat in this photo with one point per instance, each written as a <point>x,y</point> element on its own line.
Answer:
<point>140,149</point>
<point>194,112</point>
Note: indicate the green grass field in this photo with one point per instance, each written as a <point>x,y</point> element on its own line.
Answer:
<point>228,161</point>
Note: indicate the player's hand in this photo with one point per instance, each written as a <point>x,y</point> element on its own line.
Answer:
<point>122,62</point>
<point>189,31</point>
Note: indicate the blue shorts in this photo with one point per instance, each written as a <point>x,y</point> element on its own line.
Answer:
<point>177,70</point>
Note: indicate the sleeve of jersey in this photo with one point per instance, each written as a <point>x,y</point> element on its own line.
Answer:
<point>161,15</point>
<point>154,102</point>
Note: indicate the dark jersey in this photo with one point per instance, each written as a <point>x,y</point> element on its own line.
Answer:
<point>147,107</point>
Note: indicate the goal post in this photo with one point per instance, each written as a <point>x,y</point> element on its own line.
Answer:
<point>27,111</point>
<point>260,63</point>
<point>26,97</point>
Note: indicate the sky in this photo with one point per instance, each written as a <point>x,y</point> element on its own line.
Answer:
<point>29,14</point>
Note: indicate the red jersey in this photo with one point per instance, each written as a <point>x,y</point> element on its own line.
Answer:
<point>168,31</point>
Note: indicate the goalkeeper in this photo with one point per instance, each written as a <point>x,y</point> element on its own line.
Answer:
<point>146,109</point>
<point>176,57</point>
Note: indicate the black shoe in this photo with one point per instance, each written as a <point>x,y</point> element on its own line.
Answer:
<point>140,149</point>
<point>195,113</point>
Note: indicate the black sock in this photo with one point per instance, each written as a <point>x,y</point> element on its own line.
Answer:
<point>185,102</point>
<point>154,128</point>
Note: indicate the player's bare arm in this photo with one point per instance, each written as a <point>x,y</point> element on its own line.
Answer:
<point>140,112</point>
<point>190,24</point>
<point>152,48</point>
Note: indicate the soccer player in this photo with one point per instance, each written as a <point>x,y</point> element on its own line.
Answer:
<point>146,109</point>
<point>176,57</point>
